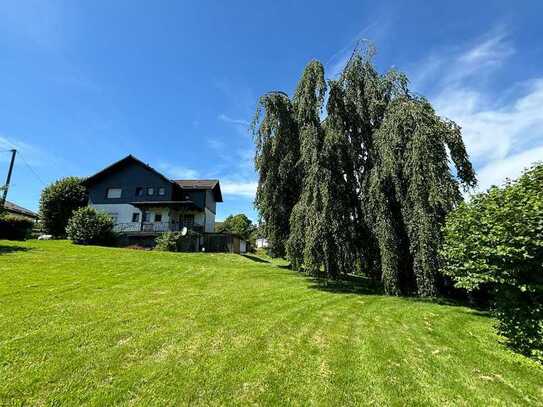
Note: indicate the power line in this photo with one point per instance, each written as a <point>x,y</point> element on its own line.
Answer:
<point>32,169</point>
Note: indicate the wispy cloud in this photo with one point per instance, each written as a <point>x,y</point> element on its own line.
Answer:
<point>32,154</point>
<point>231,120</point>
<point>494,132</point>
<point>244,189</point>
<point>337,62</point>
<point>497,171</point>
<point>452,66</point>
<point>501,125</point>
<point>178,172</point>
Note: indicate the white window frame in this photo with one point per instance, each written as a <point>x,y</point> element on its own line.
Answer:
<point>111,195</point>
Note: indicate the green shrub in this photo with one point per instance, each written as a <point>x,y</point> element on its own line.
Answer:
<point>13,227</point>
<point>87,226</point>
<point>167,241</point>
<point>57,203</point>
<point>176,242</point>
<point>495,241</point>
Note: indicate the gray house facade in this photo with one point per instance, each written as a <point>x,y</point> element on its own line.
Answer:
<point>142,200</point>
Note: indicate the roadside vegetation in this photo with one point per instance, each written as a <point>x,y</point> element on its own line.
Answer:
<point>102,326</point>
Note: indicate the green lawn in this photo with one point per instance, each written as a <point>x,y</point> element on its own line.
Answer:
<point>99,326</point>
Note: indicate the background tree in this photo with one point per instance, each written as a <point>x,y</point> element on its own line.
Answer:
<point>495,241</point>
<point>276,160</point>
<point>238,224</point>
<point>57,203</point>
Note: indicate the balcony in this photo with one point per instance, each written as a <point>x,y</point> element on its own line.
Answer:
<point>155,227</point>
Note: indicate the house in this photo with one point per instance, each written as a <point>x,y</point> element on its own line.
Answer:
<point>143,201</point>
<point>14,209</point>
<point>262,243</point>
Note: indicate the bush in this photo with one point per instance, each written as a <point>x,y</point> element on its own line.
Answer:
<point>13,227</point>
<point>176,242</point>
<point>167,241</point>
<point>57,203</point>
<point>87,226</point>
<point>495,241</point>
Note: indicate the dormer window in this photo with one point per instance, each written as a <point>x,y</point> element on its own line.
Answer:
<point>150,191</point>
<point>162,191</point>
<point>113,193</point>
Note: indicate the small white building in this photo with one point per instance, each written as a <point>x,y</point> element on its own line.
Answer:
<point>262,243</point>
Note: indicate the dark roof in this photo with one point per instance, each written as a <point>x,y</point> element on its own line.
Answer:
<point>211,184</point>
<point>13,208</point>
<point>118,164</point>
<point>205,184</point>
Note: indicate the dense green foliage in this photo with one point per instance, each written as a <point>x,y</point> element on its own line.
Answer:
<point>277,156</point>
<point>176,242</point>
<point>496,241</point>
<point>86,325</point>
<point>238,224</point>
<point>88,226</point>
<point>375,179</point>
<point>57,203</point>
<point>13,227</point>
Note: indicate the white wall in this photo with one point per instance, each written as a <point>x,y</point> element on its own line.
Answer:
<point>121,213</point>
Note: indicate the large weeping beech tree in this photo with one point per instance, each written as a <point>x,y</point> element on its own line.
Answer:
<point>277,156</point>
<point>369,186</point>
<point>412,189</point>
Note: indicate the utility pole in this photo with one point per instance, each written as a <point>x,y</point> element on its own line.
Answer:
<point>8,179</point>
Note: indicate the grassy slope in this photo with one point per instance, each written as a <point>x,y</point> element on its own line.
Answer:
<point>102,326</point>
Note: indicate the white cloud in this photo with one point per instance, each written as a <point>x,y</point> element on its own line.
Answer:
<point>494,132</point>
<point>501,126</point>
<point>495,172</point>
<point>244,189</point>
<point>178,172</point>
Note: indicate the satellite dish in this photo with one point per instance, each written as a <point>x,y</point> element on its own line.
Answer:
<point>184,231</point>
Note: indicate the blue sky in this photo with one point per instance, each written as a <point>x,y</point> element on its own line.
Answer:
<point>175,83</point>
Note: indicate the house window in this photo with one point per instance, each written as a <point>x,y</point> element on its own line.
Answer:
<point>135,217</point>
<point>158,217</point>
<point>150,191</point>
<point>139,191</point>
<point>162,191</point>
<point>114,193</point>
<point>187,220</point>
<point>146,216</point>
